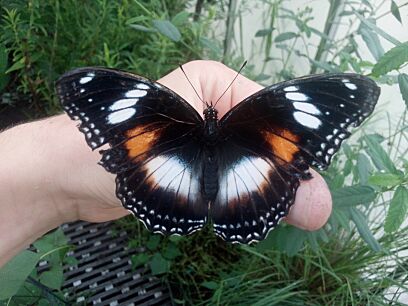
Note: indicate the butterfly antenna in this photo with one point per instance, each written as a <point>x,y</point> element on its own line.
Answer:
<point>185,74</point>
<point>239,71</point>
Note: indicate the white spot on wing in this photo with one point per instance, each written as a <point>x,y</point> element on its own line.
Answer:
<point>350,86</point>
<point>135,93</point>
<point>142,86</point>
<point>85,80</point>
<point>121,115</point>
<point>307,120</point>
<point>123,103</point>
<point>307,107</point>
<point>296,96</point>
<point>291,88</point>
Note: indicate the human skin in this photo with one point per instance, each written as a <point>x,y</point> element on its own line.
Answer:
<point>49,176</point>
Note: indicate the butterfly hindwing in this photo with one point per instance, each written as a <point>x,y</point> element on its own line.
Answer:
<point>255,192</point>
<point>278,133</point>
<point>152,134</point>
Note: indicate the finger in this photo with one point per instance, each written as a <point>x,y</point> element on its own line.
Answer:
<point>313,204</point>
<point>210,79</point>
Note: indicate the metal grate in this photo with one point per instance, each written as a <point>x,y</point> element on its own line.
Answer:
<point>103,273</point>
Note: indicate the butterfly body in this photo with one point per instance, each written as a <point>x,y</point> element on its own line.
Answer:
<point>177,171</point>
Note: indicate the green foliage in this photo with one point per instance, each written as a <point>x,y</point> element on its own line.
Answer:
<point>403,85</point>
<point>20,284</point>
<point>398,210</point>
<point>3,67</point>
<point>15,272</point>
<point>45,39</point>
<point>395,11</point>
<point>391,60</point>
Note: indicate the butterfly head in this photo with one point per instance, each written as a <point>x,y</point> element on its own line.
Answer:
<point>210,113</point>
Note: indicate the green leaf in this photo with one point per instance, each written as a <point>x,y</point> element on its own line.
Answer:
<point>159,264</point>
<point>139,259</point>
<point>340,217</point>
<point>264,32</point>
<point>27,294</point>
<point>378,155</point>
<point>176,239</point>
<point>376,29</point>
<point>166,28</point>
<point>353,195</point>
<point>71,260</point>
<point>371,40</point>
<point>287,239</point>
<point>53,278</point>
<point>403,85</point>
<point>180,18</point>
<point>392,59</point>
<point>348,167</point>
<point>210,285</point>
<point>364,168</point>
<point>15,272</point>
<point>51,241</point>
<point>285,36</point>
<point>211,45</point>
<point>171,251</point>
<point>384,179</point>
<point>43,302</point>
<point>395,11</point>
<point>397,211</point>
<point>337,181</point>
<point>17,65</point>
<point>4,78</point>
<point>142,28</point>
<point>359,220</point>
<point>153,242</point>
<point>295,238</point>
<point>136,19</point>
<point>3,59</point>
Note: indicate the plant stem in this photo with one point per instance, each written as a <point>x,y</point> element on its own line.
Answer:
<point>330,29</point>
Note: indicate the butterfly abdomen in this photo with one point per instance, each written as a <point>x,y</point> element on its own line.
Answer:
<point>210,178</point>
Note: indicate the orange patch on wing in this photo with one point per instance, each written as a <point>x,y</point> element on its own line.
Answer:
<point>140,141</point>
<point>282,144</point>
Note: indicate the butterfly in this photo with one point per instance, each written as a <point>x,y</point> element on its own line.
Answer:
<point>178,171</point>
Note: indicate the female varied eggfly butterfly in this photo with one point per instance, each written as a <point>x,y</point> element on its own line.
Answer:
<point>177,171</point>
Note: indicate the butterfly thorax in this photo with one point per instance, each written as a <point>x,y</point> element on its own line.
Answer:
<point>211,128</point>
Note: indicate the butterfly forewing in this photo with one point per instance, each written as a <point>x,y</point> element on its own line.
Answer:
<point>109,102</point>
<point>313,113</point>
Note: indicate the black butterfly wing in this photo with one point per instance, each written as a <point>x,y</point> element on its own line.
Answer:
<point>277,134</point>
<point>154,147</point>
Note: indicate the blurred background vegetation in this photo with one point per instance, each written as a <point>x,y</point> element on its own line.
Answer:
<point>360,257</point>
